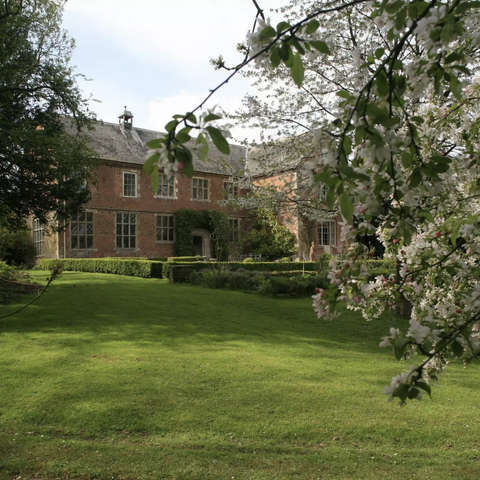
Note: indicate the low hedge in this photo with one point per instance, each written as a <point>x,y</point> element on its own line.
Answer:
<point>266,283</point>
<point>118,266</point>
<point>274,266</point>
<point>197,258</point>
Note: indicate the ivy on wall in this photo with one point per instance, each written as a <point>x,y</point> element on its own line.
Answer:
<point>215,222</point>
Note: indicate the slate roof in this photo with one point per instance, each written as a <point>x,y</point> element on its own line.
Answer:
<point>112,142</point>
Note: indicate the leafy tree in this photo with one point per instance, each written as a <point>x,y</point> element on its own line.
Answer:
<point>16,247</point>
<point>268,237</point>
<point>44,164</point>
<point>394,88</point>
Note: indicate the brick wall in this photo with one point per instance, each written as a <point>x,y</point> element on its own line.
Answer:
<point>108,199</point>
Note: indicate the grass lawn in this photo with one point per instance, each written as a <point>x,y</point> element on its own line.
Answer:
<point>110,377</point>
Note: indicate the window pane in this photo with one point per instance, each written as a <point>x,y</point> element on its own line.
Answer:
<point>81,243</point>
<point>89,217</point>
<point>89,242</point>
<point>74,242</point>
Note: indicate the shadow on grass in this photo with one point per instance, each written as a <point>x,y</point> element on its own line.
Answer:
<point>112,308</point>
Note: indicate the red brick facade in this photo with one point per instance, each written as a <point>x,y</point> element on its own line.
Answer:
<point>125,218</point>
<point>108,200</point>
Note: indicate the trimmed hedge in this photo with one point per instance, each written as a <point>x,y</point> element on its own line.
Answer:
<point>266,283</point>
<point>197,258</point>
<point>118,266</point>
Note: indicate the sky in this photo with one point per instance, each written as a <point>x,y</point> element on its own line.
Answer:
<point>153,56</point>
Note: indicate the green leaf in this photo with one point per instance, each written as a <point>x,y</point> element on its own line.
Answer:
<point>415,178</point>
<point>401,391</point>
<point>171,125</point>
<point>379,52</point>
<point>191,117</point>
<point>447,32</point>
<point>407,159</point>
<point>454,235</point>
<point>331,196</point>
<point>285,52</point>
<point>463,69</point>
<point>322,47</point>
<point>282,26</point>
<point>297,70</point>
<point>154,179</point>
<point>418,120</point>
<point>347,145</point>
<point>344,94</point>
<point>157,143</point>
<point>454,87</point>
<point>183,135</point>
<point>399,347</point>
<point>183,154</point>
<point>219,140</point>
<point>212,116</point>
<point>453,57</point>
<point>188,169</point>
<point>275,58</point>
<point>383,85</point>
<point>348,171</point>
<point>457,349</point>
<point>359,134</point>
<point>267,32</point>
<point>346,207</point>
<point>400,19</point>
<point>149,165</point>
<point>393,7</point>
<point>312,27</point>
<point>426,215</point>
<point>407,236</point>
<point>413,392</point>
<point>425,387</point>
<point>293,41</point>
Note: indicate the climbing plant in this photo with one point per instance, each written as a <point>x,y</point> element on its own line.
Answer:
<point>215,222</point>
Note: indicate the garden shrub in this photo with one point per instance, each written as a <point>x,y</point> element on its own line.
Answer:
<point>263,282</point>
<point>118,266</point>
<point>197,258</point>
<point>247,260</point>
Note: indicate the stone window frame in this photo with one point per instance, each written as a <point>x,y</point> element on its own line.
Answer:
<point>124,238</point>
<point>125,185</point>
<point>170,185</point>
<point>230,188</point>
<point>327,233</point>
<point>82,221</point>
<point>38,231</point>
<point>204,189</point>
<point>165,233</point>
